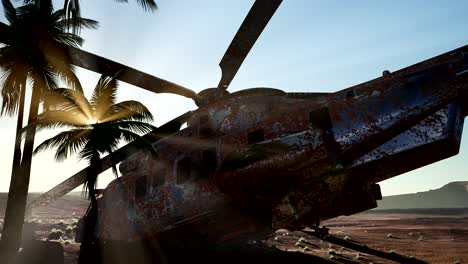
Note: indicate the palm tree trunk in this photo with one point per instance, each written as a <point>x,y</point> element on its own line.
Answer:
<point>10,213</point>
<point>89,249</point>
<point>12,231</point>
<point>19,126</point>
<point>91,178</point>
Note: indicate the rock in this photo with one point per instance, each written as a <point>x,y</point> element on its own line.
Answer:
<point>55,234</point>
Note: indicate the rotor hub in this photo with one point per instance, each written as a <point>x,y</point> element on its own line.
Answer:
<point>211,95</point>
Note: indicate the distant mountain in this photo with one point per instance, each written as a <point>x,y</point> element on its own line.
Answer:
<point>64,207</point>
<point>452,195</point>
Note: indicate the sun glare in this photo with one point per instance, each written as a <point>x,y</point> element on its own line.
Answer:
<point>92,121</point>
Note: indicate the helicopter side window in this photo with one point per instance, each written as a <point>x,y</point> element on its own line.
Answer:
<point>183,170</point>
<point>140,187</point>
<point>208,162</point>
<point>256,136</point>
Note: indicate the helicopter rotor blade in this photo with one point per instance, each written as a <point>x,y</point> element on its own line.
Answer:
<point>127,74</point>
<point>121,154</point>
<point>248,33</point>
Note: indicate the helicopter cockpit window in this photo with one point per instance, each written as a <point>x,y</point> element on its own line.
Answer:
<point>140,187</point>
<point>256,136</point>
<point>183,170</point>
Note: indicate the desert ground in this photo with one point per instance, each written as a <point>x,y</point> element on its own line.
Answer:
<point>429,235</point>
<point>433,238</point>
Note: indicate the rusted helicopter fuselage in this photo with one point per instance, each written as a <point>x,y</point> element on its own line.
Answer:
<point>260,159</point>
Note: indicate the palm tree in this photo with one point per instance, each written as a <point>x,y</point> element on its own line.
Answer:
<point>73,6</point>
<point>30,51</point>
<point>73,10</point>
<point>96,126</point>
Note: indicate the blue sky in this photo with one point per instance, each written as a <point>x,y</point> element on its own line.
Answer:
<point>309,46</point>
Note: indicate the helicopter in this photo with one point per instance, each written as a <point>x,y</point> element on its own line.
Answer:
<point>260,159</point>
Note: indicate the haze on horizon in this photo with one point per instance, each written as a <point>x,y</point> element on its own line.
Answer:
<point>308,46</point>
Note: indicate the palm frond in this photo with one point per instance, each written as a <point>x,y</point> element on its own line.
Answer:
<point>148,5</point>
<point>13,84</point>
<point>86,152</point>
<point>104,95</point>
<point>73,144</point>
<point>9,11</point>
<point>92,175</point>
<point>72,10</point>
<point>62,64</point>
<point>69,39</point>
<point>53,119</point>
<point>114,167</point>
<point>76,22</point>
<point>67,142</point>
<point>26,10</point>
<point>43,78</point>
<point>135,126</point>
<point>128,110</point>
<point>67,100</point>
<point>139,141</point>
<point>45,6</point>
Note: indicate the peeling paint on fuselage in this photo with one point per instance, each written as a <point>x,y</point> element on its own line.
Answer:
<point>260,159</point>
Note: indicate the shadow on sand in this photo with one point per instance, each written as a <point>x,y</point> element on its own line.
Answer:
<point>156,252</point>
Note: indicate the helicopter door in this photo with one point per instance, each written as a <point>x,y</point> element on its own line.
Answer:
<point>208,163</point>
<point>183,170</point>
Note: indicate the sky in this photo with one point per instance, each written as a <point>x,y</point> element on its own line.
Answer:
<point>308,46</point>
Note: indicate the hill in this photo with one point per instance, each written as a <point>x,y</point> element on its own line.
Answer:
<point>451,195</point>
